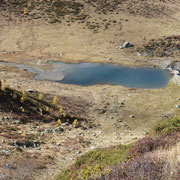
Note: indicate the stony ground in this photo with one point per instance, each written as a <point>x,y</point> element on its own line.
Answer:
<point>116,115</point>
<point>34,31</point>
<point>88,30</point>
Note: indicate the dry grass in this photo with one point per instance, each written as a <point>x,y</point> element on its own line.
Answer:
<point>158,165</point>
<point>22,166</point>
<point>172,157</point>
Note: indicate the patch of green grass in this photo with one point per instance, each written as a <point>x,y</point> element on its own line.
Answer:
<point>167,127</point>
<point>96,162</point>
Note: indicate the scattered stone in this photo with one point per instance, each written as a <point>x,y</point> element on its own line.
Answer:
<point>138,54</point>
<point>178,106</point>
<point>30,90</point>
<point>41,133</point>
<point>61,54</point>
<point>5,118</point>
<point>118,138</point>
<point>79,152</point>
<point>93,147</point>
<point>25,144</point>
<point>119,47</point>
<point>47,131</point>
<point>132,116</point>
<point>17,122</point>
<point>119,120</point>
<point>127,45</point>
<point>121,102</point>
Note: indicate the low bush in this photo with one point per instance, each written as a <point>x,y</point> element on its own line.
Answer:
<point>167,127</point>
<point>144,167</point>
<point>95,163</point>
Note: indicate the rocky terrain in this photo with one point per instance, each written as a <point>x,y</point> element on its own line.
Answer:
<point>38,137</point>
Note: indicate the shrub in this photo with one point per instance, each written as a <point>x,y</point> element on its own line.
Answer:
<point>143,167</point>
<point>95,163</point>
<point>148,144</point>
<point>55,100</point>
<point>167,127</point>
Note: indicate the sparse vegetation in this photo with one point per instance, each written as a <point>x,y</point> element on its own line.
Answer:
<point>27,110</point>
<point>167,127</point>
<point>165,47</point>
<point>121,161</point>
<point>95,163</point>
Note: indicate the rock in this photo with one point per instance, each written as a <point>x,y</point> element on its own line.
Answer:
<point>119,47</point>
<point>79,152</point>
<point>121,102</point>
<point>47,131</point>
<point>17,122</point>
<point>118,138</point>
<point>41,134</point>
<point>102,111</point>
<point>119,120</point>
<point>178,106</point>
<point>132,116</point>
<point>19,149</point>
<point>26,144</point>
<point>40,109</point>
<point>61,54</point>
<point>60,129</point>
<point>30,90</point>
<point>138,54</point>
<point>127,45</point>
<point>93,147</point>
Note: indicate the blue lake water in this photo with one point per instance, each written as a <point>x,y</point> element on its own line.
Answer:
<point>86,74</point>
<point>93,73</point>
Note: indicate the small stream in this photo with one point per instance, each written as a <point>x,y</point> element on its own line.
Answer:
<point>86,74</point>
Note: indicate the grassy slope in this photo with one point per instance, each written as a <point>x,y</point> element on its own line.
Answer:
<point>107,162</point>
<point>32,106</point>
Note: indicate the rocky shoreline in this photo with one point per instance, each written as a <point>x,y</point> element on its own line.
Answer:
<point>174,68</point>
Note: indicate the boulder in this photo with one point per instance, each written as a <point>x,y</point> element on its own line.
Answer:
<point>127,45</point>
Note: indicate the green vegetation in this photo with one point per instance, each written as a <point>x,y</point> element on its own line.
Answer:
<point>100,162</point>
<point>96,162</point>
<point>167,127</point>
